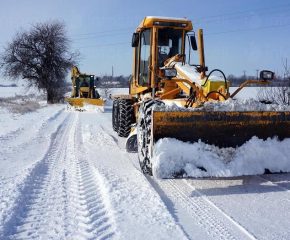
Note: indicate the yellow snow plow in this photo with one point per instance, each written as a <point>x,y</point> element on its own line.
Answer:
<point>223,129</point>
<point>84,90</point>
<point>172,98</point>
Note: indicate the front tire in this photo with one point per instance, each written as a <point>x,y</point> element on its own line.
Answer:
<point>115,115</point>
<point>126,115</point>
<point>144,134</point>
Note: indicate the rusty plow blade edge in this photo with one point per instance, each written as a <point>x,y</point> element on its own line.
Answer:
<point>223,129</point>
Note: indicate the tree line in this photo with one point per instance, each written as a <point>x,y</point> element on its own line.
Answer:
<point>106,81</point>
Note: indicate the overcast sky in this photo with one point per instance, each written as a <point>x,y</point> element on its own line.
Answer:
<point>93,25</point>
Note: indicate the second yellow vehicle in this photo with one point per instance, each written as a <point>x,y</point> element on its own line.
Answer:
<point>84,90</point>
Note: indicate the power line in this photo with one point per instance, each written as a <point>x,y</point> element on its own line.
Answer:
<point>257,9</point>
<point>102,45</point>
<point>241,30</point>
<point>248,29</point>
<point>226,14</point>
<point>243,16</point>
<point>84,34</point>
<point>102,36</point>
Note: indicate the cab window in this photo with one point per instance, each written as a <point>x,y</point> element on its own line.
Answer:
<point>169,44</point>
<point>144,58</point>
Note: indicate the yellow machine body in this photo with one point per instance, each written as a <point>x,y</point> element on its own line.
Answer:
<point>160,73</point>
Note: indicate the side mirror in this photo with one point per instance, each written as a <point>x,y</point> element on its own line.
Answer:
<point>97,79</point>
<point>193,43</point>
<point>135,40</point>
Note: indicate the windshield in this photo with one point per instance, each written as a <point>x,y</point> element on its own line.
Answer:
<point>169,44</point>
<point>84,81</point>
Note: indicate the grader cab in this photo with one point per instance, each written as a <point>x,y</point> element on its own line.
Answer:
<point>163,75</point>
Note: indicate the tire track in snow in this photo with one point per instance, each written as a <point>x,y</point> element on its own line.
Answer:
<point>61,197</point>
<point>99,222</point>
<point>21,157</point>
<point>203,213</point>
<point>240,227</point>
<point>31,189</point>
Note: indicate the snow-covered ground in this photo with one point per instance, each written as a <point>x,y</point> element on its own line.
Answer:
<point>64,174</point>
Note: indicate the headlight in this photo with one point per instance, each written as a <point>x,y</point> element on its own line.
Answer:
<point>266,75</point>
<point>169,72</point>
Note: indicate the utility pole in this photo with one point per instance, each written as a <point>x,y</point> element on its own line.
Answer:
<point>112,72</point>
<point>244,74</point>
<point>257,70</point>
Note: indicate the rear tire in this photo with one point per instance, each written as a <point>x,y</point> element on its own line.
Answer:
<point>144,134</point>
<point>115,115</point>
<point>126,115</point>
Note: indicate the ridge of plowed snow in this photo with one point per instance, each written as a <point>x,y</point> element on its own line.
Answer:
<point>172,156</point>
<point>231,105</point>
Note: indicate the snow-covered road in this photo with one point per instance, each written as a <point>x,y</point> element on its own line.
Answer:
<point>66,175</point>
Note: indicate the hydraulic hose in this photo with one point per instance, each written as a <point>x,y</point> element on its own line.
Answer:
<point>217,70</point>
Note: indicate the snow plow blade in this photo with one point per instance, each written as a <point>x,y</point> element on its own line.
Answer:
<point>223,129</point>
<point>79,102</point>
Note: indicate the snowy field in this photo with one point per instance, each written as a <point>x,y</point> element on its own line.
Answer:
<point>65,174</point>
<point>12,91</point>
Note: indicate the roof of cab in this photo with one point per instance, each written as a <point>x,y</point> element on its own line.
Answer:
<point>148,22</point>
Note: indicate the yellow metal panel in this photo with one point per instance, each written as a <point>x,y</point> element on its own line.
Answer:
<point>214,85</point>
<point>148,22</point>
<point>79,102</point>
<point>136,90</point>
<point>224,129</point>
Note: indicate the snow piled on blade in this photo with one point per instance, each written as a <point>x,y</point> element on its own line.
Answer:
<point>243,105</point>
<point>88,108</point>
<point>230,105</point>
<point>172,157</point>
<point>93,108</point>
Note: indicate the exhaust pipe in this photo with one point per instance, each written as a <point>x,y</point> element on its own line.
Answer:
<point>201,52</point>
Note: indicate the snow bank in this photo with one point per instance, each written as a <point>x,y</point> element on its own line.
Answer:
<point>172,156</point>
<point>242,105</point>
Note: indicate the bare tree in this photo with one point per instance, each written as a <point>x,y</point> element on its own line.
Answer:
<point>287,70</point>
<point>106,89</point>
<point>42,56</point>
